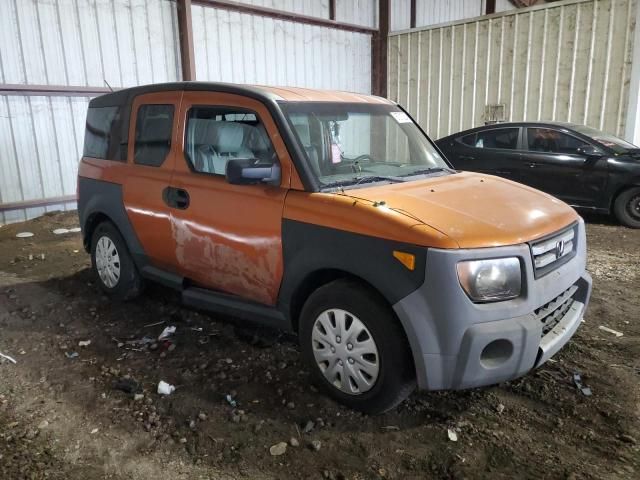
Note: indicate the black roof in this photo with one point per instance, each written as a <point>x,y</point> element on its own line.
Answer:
<point>126,95</point>
<point>562,125</point>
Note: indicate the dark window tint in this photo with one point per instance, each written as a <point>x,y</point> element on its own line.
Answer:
<point>153,134</point>
<point>502,138</point>
<point>214,135</point>
<point>102,134</point>
<point>469,140</point>
<point>552,141</point>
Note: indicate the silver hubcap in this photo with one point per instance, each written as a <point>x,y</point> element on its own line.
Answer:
<point>107,262</point>
<point>345,351</point>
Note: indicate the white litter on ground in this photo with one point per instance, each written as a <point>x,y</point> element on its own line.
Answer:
<point>24,234</point>
<point>2,355</point>
<point>60,231</point>
<point>75,230</point>
<point>165,389</point>
<point>453,436</point>
<point>611,330</point>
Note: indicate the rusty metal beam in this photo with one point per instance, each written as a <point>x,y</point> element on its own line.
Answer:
<point>43,202</point>
<point>379,51</point>
<point>52,90</point>
<point>412,15</point>
<point>282,15</point>
<point>185,34</point>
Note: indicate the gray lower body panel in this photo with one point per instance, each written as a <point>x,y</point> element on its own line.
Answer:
<point>459,344</point>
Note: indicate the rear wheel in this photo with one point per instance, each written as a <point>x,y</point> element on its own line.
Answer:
<point>112,264</point>
<point>355,347</point>
<point>627,207</point>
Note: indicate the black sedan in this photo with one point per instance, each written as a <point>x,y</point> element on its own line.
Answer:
<point>584,167</point>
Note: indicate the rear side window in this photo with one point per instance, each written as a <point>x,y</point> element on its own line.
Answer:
<point>552,141</point>
<point>215,135</point>
<point>500,138</point>
<point>154,124</point>
<point>102,134</point>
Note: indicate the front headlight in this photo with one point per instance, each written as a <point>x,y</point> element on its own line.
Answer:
<point>491,280</point>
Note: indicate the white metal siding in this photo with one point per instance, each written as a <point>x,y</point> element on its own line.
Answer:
<point>85,42</point>
<point>567,61</point>
<point>434,12</point>
<point>70,42</point>
<point>399,14</point>
<point>244,48</point>
<point>358,12</point>
<point>311,8</point>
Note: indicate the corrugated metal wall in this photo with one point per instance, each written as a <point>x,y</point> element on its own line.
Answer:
<point>70,42</point>
<point>432,12</point>
<point>312,8</point>
<point>566,61</point>
<point>356,12</point>
<point>246,48</point>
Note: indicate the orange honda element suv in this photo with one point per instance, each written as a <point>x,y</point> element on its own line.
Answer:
<point>334,216</point>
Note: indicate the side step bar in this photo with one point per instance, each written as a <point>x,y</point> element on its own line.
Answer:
<point>232,306</point>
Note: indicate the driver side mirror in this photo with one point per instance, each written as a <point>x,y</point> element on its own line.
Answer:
<point>245,171</point>
<point>590,151</point>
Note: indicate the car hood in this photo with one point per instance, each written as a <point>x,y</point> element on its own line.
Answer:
<point>475,210</point>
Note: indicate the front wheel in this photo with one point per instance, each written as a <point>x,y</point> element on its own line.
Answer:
<point>627,207</point>
<point>355,347</point>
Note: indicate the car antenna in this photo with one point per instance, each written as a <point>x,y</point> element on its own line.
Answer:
<point>107,84</point>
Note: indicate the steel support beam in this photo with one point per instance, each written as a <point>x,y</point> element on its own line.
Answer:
<point>632,124</point>
<point>379,52</point>
<point>412,15</point>
<point>43,202</point>
<point>185,33</point>
<point>52,90</point>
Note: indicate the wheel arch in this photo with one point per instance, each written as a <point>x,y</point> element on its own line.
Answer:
<point>91,223</point>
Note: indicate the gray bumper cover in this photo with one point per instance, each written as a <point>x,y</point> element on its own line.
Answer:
<point>448,332</point>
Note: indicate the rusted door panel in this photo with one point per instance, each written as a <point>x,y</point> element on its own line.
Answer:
<point>229,238</point>
<point>142,191</point>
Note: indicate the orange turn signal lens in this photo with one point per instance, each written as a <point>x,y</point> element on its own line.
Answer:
<point>407,259</point>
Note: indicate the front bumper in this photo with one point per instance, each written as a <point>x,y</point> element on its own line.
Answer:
<point>459,344</point>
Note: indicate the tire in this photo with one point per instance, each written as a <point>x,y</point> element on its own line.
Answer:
<point>395,378</point>
<point>127,284</point>
<point>627,208</point>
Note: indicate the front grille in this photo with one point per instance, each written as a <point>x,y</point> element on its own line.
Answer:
<point>553,312</point>
<point>552,251</point>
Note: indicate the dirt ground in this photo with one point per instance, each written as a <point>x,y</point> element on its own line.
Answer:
<point>66,418</point>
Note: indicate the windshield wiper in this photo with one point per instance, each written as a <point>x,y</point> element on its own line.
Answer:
<point>426,171</point>
<point>365,179</point>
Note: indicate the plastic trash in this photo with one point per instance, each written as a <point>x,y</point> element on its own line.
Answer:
<point>611,330</point>
<point>60,231</point>
<point>11,359</point>
<point>75,230</point>
<point>165,389</point>
<point>577,379</point>
<point>231,401</point>
<point>453,436</point>
<point>167,332</point>
<point>84,343</point>
<point>71,354</point>
<point>24,235</point>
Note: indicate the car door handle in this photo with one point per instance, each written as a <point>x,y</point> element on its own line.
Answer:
<point>176,197</point>
<point>467,157</point>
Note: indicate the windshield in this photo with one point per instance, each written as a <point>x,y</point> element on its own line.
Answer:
<point>616,144</point>
<point>353,144</point>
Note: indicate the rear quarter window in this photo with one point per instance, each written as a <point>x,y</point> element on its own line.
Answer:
<point>102,137</point>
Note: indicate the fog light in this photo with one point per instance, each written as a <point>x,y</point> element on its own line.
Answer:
<point>496,353</point>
